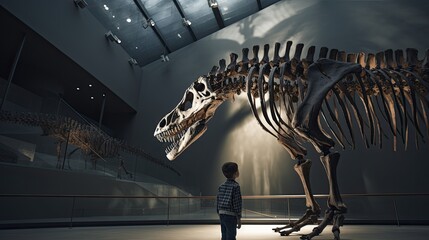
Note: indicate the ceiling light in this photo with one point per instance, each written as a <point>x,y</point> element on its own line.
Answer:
<point>90,85</point>
<point>164,58</point>
<point>148,22</point>
<point>80,3</point>
<point>132,61</point>
<point>77,89</point>
<point>106,7</point>
<point>129,20</point>
<point>92,98</point>
<point>109,35</point>
<point>186,22</point>
<point>213,3</point>
<point>180,36</point>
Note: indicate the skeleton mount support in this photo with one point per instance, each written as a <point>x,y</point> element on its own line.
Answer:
<point>299,100</point>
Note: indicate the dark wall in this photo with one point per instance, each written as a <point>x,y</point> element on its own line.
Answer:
<point>234,134</point>
<point>77,34</point>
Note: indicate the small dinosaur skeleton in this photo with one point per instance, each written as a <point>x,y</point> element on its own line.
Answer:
<point>291,92</point>
<point>86,137</point>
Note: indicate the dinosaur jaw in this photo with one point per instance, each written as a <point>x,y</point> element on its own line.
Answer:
<point>180,140</point>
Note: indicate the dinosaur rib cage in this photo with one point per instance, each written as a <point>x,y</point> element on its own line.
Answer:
<point>391,91</point>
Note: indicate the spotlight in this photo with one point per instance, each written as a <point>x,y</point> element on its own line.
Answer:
<point>132,61</point>
<point>80,3</point>
<point>212,3</point>
<point>148,22</point>
<point>186,22</point>
<point>109,35</point>
<point>164,58</point>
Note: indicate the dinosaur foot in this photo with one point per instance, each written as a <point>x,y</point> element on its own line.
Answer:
<point>310,217</point>
<point>331,215</point>
<point>338,221</point>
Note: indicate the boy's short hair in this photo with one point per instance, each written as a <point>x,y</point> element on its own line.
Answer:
<point>229,169</point>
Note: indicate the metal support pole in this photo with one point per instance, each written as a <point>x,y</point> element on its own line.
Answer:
<point>102,110</point>
<point>65,151</point>
<point>288,209</point>
<point>135,168</point>
<point>168,211</point>
<point>12,72</point>
<point>396,213</point>
<point>71,214</point>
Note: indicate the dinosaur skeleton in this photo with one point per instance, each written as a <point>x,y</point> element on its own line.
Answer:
<point>290,92</point>
<point>89,139</point>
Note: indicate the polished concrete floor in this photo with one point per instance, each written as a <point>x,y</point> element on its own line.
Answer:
<point>210,232</point>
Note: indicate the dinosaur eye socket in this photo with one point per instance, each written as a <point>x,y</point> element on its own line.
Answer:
<point>199,87</point>
<point>188,102</point>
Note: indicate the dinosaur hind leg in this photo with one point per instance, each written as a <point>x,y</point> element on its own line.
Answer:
<point>302,168</point>
<point>336,206</point>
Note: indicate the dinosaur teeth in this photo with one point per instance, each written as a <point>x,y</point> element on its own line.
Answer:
<point>173,136</point>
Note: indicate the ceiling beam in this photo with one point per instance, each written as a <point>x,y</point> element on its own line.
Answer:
<point>182,13</point>
<point>218,17</point>
<point>154,28</point>
<point>259,4</point>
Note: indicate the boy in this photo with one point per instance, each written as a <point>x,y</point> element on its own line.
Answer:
<point>229,202</point>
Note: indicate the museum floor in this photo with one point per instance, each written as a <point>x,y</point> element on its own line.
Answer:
<point>210,232</point>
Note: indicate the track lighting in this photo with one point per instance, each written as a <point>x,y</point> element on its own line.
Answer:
<point>186,22</point>
<point>148,22</point>
<point>164,58</point>
<point>212,3</point>
<point>132,61</point>
<point>112,37</point>
<point>80,3</point>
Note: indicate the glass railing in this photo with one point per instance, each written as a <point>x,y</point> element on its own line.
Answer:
<point>63,139</point>
<point>20,210</point>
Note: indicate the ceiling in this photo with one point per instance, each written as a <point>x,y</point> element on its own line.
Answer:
<point>130,21</point>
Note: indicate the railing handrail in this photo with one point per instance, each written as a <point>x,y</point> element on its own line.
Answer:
<point>293,196</point>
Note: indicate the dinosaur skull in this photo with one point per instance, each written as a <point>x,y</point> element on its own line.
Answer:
<point>187,122</point>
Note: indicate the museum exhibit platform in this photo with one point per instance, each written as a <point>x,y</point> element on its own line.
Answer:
<point>212,232</point>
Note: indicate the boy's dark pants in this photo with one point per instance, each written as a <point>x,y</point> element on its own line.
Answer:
<point>228,225</point>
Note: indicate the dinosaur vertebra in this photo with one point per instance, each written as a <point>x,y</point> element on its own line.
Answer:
<point>290,93</point>
<point>90,139</point>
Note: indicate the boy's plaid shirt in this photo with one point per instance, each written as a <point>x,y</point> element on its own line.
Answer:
<point>229,198</point>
